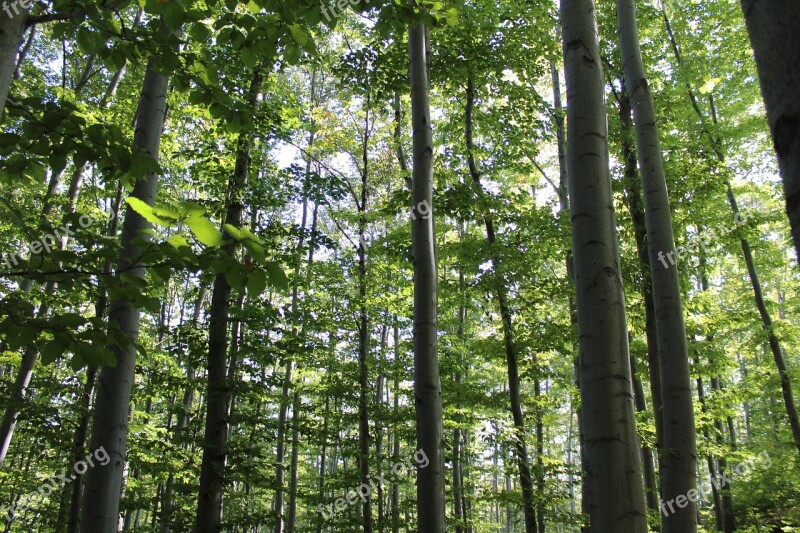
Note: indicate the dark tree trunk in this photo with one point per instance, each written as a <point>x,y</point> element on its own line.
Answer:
<point>427,385</point>
<point>208,518</point>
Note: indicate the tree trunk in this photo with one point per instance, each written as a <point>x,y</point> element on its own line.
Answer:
<point>363,331</point>
<point>633,201</point>
<point>458,510</point>
<point>183,419</point>
<point>110,425</point>
<point>322,459</point>
<point>712,471</point>
<point>679,459</point>
<point>208,517</point>
<point>427,385</point>
<point>291,517</point>
<point>772,26</point>
<point>728,518</point>
<point>395,511</point>
<point>612,465</point>
<point>651,494</point>
<point>520,445</point>
<point>12,27</point>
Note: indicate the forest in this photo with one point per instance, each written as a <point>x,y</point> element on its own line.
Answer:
<point>383,266</point>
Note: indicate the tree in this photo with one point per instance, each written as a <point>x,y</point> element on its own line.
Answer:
<point>776,45</point>
<point>611,449</point>
<point>12,26</point>
<point>427,386</point>
<point>679,453</point>
<point>209,501</point>
<point>110,421</point>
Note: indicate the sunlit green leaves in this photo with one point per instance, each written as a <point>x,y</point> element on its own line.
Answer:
<point>204,230</point>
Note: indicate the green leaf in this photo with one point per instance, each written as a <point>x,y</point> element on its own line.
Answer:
<point>85,40</point>
<point>9,139</point>
<point>199,32</point>
<point>256,282</point>
<point>233,231</point>
<point>204,230</point>
<point>298,34</point>
<point>255,250</point>
<point>77,362</point>
<point>52,351</point>
<point>167,212</point>
<point>277,277</point>
<point>179,241</point>
<point>236,277</point>
<point>292,53</point>
<point>146,211</point>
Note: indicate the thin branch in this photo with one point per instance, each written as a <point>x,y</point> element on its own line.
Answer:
<point>541,170</point>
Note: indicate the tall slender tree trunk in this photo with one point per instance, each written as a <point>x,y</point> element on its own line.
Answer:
<point>679,458</point>
<point>427,385</point>
<point>395,506</point>
<point>82,431</point>
<point>110,427</point>
<point>520,445</point>
<point>728,517</point>
<point>563,201</point>
<point>716,143</point>
<point>183,419</point>
<point>363,329</point>
<point>651,494</point>
<point>612,465</point>
<point>12,27</point>
<point>458,488</point>
<point>772,26</point>
<point>322,461</point>
<point>208,516</point>
<point>712,470</point>
<point>633,201</point>
<point>291,518</point>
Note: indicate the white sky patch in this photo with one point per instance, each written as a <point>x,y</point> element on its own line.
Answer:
<point>511,76</point>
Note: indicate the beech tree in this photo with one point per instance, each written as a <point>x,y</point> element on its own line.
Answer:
<point>611,451</point>
<point>679,448</point>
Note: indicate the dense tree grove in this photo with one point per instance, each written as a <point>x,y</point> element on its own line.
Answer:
<point>377,266</point>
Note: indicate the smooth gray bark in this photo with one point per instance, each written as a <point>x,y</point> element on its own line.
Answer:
<point>11,31</point>
<point>427,385</point>
<point>679,457</point>
<point>611,452</point>
<point>110,428</point>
